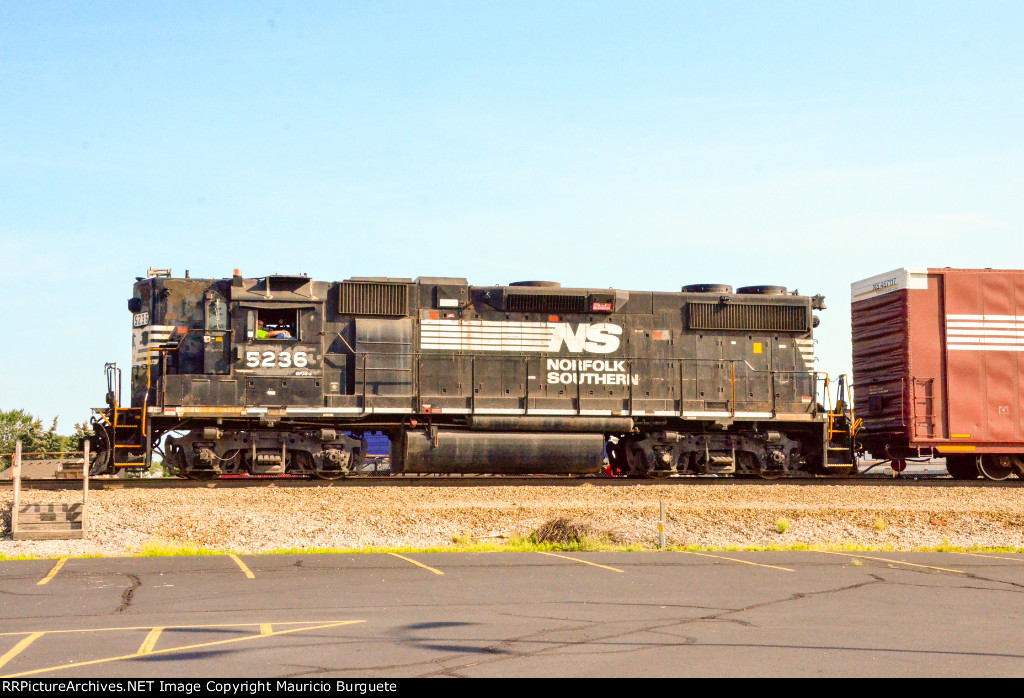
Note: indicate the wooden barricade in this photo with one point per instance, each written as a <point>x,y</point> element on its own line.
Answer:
<point>47,521</point>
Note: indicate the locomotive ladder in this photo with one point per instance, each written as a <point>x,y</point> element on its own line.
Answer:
<point>128,438</point>
<point>839,445</point>
<point>127,430</point>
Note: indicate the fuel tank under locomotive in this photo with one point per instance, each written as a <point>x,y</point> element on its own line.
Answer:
<point>479,452</point>
<point>508,446</point>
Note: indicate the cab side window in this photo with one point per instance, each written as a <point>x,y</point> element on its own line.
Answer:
<point>273,324</point>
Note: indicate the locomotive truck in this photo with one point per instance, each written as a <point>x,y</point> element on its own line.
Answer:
<point>283,374</point>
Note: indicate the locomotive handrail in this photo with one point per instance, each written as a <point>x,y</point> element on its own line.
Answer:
<point>416,391</point>
<point>415,368</point>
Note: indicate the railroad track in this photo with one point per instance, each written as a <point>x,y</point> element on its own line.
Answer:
<point>915,480</point>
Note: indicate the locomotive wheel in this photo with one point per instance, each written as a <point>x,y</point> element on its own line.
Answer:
<point>962,467</point>
<point>996,466</point>
<point>307,465</point>
<point>766,472</point>
<point>179,465</point>
<point>639,466</point>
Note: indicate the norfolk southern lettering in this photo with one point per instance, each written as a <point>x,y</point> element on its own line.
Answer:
<point>590,372</point>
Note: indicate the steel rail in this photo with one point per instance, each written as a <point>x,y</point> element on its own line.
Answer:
<point>99,483</point>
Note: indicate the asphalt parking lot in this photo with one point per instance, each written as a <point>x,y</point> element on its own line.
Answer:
<point>515,614</point>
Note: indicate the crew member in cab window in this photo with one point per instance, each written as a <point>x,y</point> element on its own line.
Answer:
<point>263,333</point>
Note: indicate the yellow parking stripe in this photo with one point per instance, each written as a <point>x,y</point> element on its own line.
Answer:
<point>585,562</point>
<point>149,627</point>
<point>735,559</point>
<point>894,562</point>
<point>418,564</point>
<point>53,572</point>
<point>238,561</point>
<point>17,649</point>
<point>214,643</point>
<point>150,642</point>
<point>992,557</point>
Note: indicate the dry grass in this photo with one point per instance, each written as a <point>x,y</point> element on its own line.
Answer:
<point>574,532</point>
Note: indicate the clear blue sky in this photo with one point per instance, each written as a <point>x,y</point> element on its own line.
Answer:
<point>642,145</point>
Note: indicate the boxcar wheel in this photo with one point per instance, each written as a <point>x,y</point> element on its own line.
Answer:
<point>962,467</point>
<point>996,466</point>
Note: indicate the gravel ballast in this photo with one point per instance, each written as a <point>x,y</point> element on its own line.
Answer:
<point>264,519</point>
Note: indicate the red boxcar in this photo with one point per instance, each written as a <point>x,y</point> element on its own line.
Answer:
<point>938,366</point>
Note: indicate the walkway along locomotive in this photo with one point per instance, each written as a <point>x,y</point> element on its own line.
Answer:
<point>284,375</point>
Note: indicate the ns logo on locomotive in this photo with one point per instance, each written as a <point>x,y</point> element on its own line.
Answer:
<point>282,374</point>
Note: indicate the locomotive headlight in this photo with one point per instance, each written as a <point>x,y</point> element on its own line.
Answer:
<point>135,305</point>
<point>815,321</point>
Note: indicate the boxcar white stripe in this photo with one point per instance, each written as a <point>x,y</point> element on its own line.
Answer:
<point>985,340</point>
<point>982,333</point>
<point>985,317</point>
<point>985,325</point>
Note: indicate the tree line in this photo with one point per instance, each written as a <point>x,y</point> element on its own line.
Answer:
<point>20,425</point>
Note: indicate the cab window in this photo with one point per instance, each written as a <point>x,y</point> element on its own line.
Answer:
<point>274,324</point>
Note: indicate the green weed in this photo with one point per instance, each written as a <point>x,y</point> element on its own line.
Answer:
<point>160,548</point>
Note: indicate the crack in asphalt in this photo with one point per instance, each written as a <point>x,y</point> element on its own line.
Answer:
<point>129,593</point>
<point>614,640</point>
<point>651,628</point>
<point>895,566</point>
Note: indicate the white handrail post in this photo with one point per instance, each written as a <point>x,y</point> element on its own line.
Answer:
<point>85,482</point>
<point>16,471</point>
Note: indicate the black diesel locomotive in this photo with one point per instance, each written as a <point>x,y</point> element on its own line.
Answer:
<point>284,375</point>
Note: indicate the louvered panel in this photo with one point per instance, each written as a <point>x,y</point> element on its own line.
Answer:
<point>748,317</point>
<point>369,298</point>
<point>544,303</point>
